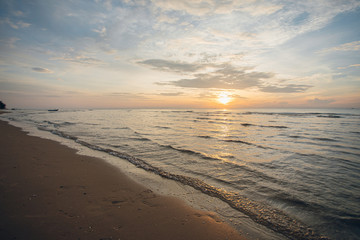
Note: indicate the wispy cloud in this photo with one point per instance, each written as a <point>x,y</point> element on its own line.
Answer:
<point>225,77</point>
<point>167,19</point>
<point>10,43</point>
<point>265,8</point>
<point>41,70</point>
<point>15,25</point>
<point>18,13</point>
<point>81,59</point>
<point>205,7</point>
<point>350,66</point>
<point>127,95</point>
<point>289,88</point>
<point>172,66</point>
<point>34,88</point>
<point>317,101</point>
<point>172,94</point>
<point>351,46</point>
<point>102,31</point>
<point>106,3</point>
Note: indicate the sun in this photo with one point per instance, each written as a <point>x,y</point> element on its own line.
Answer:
<point>224,98</point>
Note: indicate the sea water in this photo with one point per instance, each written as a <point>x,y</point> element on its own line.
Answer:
<point>294,171</point>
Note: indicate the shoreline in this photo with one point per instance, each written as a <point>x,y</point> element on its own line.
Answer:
<point>49,191</point>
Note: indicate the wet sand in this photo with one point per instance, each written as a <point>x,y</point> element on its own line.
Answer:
<point>47,191</point>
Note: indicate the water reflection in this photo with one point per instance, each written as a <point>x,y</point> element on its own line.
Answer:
<point>295,161</point>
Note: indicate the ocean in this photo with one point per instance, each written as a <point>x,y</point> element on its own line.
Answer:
<point>294,171</point>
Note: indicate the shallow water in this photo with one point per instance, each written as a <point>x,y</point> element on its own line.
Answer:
<point>294,171</point>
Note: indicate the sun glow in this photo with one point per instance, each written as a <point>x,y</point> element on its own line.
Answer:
<point>224,98</point>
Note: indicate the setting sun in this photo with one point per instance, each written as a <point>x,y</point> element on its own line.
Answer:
<point>224,98</point>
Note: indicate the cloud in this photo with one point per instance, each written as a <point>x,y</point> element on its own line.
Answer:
<point>225,77</point>
<point>10,43</point>
<point>297,18</point>
<point>351,46</point>
<point>207,57</point>
<point>350,66</point>
<point>167,19</point>
<point>240,26</point>
<point>82,59</point>
<point>22,24</point>
<point>15,25</point>
<point>172,66</point>
<point>262,9</point>
<point>206,7</point>
<point>290,88</point>
<point>172,94</point>
<point>41,70</point>
<point>317,101</point>
<point>18,13</point>
<point>107,3</point>
<point>34,89</point>
<point>101,32</point>
<point>215,95</point>
<point>127,95</point>
<point>195,7</point>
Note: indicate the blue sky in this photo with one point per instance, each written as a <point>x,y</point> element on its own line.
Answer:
<point>188,54</point>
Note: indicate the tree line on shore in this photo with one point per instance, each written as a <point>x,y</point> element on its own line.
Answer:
<point>2,105</point>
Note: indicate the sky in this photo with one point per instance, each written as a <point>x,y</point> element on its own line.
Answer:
<point>180,54</point>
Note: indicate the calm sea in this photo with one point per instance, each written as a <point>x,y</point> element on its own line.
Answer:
<point>296,172</point>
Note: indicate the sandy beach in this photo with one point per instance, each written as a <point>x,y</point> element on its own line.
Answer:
<point>50,192</point>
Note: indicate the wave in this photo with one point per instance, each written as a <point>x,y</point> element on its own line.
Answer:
<point>162,127</point>
<point>238,141</point>
<point>187,111</point>
<point>220,122</point>
<point>119,128</point>
<point>289,200</point>
<point>330,116</point>
<point>273,126</point>
<point>91,124</point>
<point>139,139</point>
<point>322,159</point>
<point>326,139</point>
<point>67,124</point>
<point>303,114</point>
<point>351,220</point>
<point>263,126</point>
<point>329,144</point>
<point>190,152</point>
<point>57,125</point>
<point>203,136</point>
<point>322,139</point>
<point>217,120</point>
<point>61,134</point>
<point>246,143</point>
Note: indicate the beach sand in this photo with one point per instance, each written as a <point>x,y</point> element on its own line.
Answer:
<point>47,191</point>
